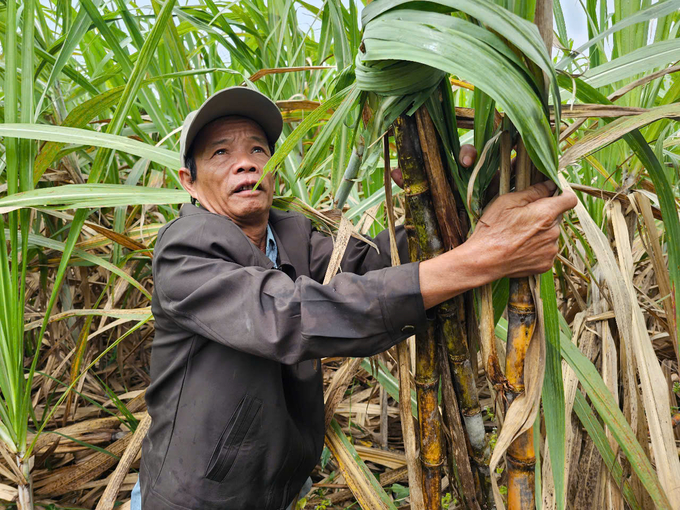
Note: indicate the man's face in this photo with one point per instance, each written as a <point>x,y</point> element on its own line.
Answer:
<point>230,154</point>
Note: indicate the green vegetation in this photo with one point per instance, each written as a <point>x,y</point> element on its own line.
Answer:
<point>93,94</point>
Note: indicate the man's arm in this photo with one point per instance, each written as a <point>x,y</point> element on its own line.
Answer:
<point>265,313</point>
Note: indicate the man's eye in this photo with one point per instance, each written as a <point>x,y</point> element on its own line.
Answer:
<point>258,149</point>
<point>219,152</point>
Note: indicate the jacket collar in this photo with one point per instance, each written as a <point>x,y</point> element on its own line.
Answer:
<point>276,218</point>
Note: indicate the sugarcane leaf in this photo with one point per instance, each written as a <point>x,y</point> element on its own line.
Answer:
<point>135,314</point>
<point>482,66</point>
<point>69,135</point>
<point>656,10</point>
<point>613,131</point>
<point>658,54</point>
<point>553,388</point>
<point>88,196</point>
<point>365,487</point>
<point>518,31</point>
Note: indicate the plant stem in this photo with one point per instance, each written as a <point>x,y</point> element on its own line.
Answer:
<point>351,173</point>
<point>452,313</point>
<point>521,458</point>
<point>25,494</point>
<point>426,233</point>
<point>415,473</point>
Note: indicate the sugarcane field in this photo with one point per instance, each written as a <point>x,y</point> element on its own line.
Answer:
<point>340,254</point>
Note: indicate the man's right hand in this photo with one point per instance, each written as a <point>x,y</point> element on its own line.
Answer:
<point>516,236</point>
<point>518,232</point>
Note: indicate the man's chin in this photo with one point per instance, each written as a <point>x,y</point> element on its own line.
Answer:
<point>253,211</point>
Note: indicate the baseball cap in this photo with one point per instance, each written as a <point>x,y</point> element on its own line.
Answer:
<point>240,101</point>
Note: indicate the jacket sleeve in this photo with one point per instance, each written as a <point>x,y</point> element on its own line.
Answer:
<point>359,257</point>
<point>263,312</point>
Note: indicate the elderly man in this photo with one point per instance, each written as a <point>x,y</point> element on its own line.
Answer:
<point>242,317</point>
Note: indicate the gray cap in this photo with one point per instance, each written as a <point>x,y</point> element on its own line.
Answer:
<point>240,101</point>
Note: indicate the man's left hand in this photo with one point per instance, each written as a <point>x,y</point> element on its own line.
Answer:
<point>468,156</point>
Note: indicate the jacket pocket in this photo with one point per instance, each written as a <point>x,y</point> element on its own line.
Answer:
<point>232,437</point>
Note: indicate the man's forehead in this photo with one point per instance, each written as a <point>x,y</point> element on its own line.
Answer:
<point>225,128</point>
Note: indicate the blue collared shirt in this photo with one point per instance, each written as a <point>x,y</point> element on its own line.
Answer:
<point>272,250</point>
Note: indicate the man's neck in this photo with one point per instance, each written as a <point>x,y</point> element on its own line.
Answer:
<point>257,233</point>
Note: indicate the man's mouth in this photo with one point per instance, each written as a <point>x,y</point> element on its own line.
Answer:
<point>246,188</point>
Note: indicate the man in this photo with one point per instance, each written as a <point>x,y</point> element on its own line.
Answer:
<point>241,316</point>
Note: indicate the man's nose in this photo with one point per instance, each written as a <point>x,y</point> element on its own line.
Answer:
<point>246,164</point>
<point>245,168</point>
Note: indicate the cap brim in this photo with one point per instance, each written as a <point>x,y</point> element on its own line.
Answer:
<point>240,101</point>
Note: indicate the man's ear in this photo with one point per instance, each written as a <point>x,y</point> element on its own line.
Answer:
<point>187,182</point>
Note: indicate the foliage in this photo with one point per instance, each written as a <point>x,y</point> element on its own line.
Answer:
<point>89,174</point>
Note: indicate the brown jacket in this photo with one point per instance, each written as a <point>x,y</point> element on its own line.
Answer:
<point>236,395</point>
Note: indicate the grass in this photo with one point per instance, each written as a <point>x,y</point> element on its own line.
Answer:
<point>88,176</point>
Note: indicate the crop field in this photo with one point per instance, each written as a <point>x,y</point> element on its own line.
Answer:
<point>558,391</point>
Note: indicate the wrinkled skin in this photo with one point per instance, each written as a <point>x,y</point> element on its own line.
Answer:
<point>230,153</point>
<point>521,229</point>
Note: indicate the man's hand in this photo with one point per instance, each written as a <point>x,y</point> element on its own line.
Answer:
<point>518,232</point>
<point>467,156</point>
<point>516,236</point>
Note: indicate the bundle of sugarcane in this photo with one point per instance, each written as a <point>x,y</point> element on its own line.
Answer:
<point>427,188</point>
<point>433,233</point>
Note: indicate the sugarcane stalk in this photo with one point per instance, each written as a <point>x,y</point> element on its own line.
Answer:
<point>458,461</point>
<point>426,233</point>
<point>350,174</point>
<point>520,456</point>
<point>415,474</point>
<point>452,313</point>
<point>25,494</point>
<point>454,338</point>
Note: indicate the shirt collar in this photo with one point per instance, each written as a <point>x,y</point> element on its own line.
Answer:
<point>272,250</point>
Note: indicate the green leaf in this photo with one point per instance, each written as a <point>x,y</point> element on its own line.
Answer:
<point>62,134</point>
<point>441,45</point>
<point>655,55</point>
<point>553,388</point>
<point>88,196</point>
